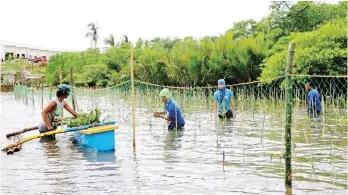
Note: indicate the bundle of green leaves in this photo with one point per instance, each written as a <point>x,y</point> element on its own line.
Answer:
<point>85,118</point>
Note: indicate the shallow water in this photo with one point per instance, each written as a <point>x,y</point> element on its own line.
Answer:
<point>187,162</point>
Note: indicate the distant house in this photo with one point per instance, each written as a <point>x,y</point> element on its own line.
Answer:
<point>25,52</point>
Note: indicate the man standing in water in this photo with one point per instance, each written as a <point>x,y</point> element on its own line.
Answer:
<point>173,113</point>
<point>54,108</point>
<point>313,101</point>
<point>223,101</point>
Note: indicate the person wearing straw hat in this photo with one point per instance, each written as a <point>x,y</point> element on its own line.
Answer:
<point>54,108</point>
<point>223,101</point>
<point>173,113</point>
<point>313,101</point>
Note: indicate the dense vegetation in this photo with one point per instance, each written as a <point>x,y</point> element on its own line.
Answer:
<point>249,51</point>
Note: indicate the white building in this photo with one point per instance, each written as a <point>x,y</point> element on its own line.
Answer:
<point>24,51</point>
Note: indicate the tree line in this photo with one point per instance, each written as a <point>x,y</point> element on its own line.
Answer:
<point>249,51</point>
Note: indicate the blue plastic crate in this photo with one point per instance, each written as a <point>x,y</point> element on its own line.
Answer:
<point>99,138</point>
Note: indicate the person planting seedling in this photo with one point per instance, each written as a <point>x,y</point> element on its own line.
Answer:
<point>173,113</point>
<point>54,108</point>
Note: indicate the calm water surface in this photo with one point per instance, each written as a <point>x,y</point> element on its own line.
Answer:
<point>187,162</point>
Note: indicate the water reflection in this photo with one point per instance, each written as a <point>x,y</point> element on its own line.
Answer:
<point>50,146</point>
<point>172,143</point>
<point>92,155</point>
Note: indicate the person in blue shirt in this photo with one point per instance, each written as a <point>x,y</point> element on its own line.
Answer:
<point>223,101</point>
<point>313,101</point>
<point>173,113</point>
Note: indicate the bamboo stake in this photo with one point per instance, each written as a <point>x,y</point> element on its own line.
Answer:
<point>223,161</point>
<point>50,91</point>
<point>72,90</point>
<point>133,109</point>
<point>60,82</point>
<point>287,155</point>
<point>42,93</point>
<point>60,75</point>
<point>32,94</point>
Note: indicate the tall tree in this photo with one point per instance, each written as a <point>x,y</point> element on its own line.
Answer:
<point>93,33</point>
<point>110,40</point>
<point>125,39</point>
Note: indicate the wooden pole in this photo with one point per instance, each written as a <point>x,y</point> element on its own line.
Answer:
<point>60,82</point>
<point>50,91</point>
<point>60,75</point>
<point>32,94</point>
<point>26,92</point>
<point>223,161</point>
<point>132,79</point>
<point>288,111</point>
<point>72,90</point>
<point>42,92</point>
<point>22,131</point>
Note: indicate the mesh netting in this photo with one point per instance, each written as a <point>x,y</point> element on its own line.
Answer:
<point>260,115</point>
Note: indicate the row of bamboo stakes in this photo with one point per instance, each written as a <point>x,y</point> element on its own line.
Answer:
<point>287,154</point>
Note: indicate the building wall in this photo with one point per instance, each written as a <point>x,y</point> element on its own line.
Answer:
<point>44,53</point>
<point>2,52</point>
<point>29,52</point>
<point>21,51</point>
<point>10,49</point>
<point>32,52</point>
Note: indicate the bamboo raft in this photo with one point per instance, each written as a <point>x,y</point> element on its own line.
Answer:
<point>94,135</point>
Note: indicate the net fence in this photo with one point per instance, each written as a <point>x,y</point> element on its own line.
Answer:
<point>260,119</point>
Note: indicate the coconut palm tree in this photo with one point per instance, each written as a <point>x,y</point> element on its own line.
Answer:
<point>125,39</point>
<point>110,40</point>
<point>93,33</point>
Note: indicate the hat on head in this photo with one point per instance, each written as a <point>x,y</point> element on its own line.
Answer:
<point>65,88</point>
<point>221,82</point>
<point>165,93</point>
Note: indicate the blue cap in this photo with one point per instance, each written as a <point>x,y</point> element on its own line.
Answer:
<point>65,88</point>
<point>221,82</point>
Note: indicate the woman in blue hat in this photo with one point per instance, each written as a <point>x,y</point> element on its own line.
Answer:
<point>223,101</point>
<point>173,113</point>
<point>55,107</point>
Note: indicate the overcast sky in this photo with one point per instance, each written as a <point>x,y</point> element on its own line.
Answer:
<point>62,24</point>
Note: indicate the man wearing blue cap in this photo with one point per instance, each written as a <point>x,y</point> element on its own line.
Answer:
<point>173,113</point>
<point>55,107</point>
<point>223,101</point>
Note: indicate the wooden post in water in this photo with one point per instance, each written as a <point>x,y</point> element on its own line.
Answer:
<point>288,111</point>
<point>42,92</point>
<point>26,92</point>
<point>223,161</point>
<point>60,82</point>
<point>32,94</point>
<point>132,79</point>
<point>60,74</point>
<point>72,90</point>
<point>50,91</point>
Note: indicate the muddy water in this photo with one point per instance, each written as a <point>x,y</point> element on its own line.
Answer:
<point>186,162</point>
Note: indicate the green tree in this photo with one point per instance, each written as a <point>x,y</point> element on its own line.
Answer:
<point>323,52</point>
